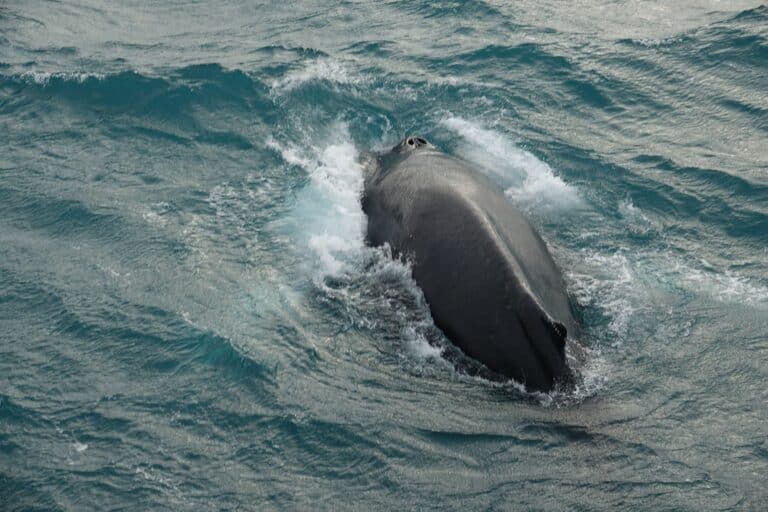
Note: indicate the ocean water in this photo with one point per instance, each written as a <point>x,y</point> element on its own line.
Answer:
<point>190,320</point>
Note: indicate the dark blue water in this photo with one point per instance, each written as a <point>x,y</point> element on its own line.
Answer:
<point>189,319</point>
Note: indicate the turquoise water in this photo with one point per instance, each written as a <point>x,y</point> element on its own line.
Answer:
<point>189,319</point>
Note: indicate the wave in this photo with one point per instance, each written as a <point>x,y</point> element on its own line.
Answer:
<point>728,287</point>
<point>322,69</point>
<point>738,204</point>
<point>616,289</point>
<point>67,218</point>
<point>208,85</point>
<point>738,40</point>
<point>474,9</point>
<point>45,77</point>
<point>525,54</point>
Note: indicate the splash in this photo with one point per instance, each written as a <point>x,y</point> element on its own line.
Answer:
<point>529,182</point>
<point>328,213</point>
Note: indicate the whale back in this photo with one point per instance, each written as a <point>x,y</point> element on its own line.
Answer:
<point>490,282</point>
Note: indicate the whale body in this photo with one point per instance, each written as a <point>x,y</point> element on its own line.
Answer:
<point>491,284</point>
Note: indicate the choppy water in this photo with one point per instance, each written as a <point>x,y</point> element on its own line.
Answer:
<point>189,319</point>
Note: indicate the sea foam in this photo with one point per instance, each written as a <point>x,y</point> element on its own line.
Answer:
<point>328,212</point>
<point>529,182</point>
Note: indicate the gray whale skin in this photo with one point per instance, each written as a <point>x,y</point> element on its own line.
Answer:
<point>490,282</point>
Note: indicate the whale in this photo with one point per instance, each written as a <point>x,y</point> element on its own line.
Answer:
<point>490,282</point>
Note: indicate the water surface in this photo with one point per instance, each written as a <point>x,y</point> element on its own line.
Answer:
<point>189,319</point>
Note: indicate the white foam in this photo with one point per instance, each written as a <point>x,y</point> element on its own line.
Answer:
<point>593,373</point>
<point>629,211</point>
<point>636,220</point>
<point>621,287</point>
<point>726,287</point>
<point>155,213</point>
<point>329,212</point>
<point>329,218</point>
<point>421,348</point>
<point>606,282</point>
<point>323,69</point>
<point>529,182</point>
<point>654,43</point>
<point>457,81</point>
<point>43,77</point>
<point>290,155</point>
